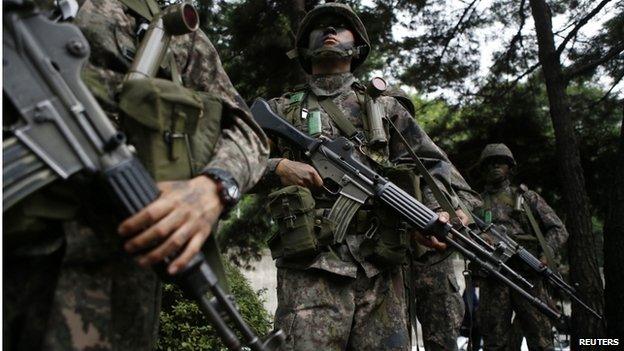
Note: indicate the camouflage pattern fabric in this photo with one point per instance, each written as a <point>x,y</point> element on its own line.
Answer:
<point>439,304</point>
<point>497,301</point>
<point>71,287</point>
<point>501,202</point>
<point>322,311</point>
<point>321,290</point>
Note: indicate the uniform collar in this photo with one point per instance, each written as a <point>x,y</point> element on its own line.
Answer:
<point>331,84</point>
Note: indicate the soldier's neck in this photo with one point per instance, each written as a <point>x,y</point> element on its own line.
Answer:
<point>331,84</point>
<point>331,66</point>
<point>497,186</point>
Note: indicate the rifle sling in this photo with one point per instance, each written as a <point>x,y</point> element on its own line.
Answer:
<point>443,201</point>
<point>540,235</point>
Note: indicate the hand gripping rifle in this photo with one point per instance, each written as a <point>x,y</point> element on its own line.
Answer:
<point>511,249</point>
<point>58,130</point>
<point>356,183</point>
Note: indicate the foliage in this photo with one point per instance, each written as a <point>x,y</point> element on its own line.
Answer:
<point>246,230</point>
<point>183,326</point>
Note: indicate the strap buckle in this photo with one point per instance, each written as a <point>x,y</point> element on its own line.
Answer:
<point>359,138</point>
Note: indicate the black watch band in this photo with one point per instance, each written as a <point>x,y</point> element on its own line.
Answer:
<point>227,187</point>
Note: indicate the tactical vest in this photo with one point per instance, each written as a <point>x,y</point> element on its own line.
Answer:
<point>303,228</point>
<point>303,98</point>
<point>527,238</point>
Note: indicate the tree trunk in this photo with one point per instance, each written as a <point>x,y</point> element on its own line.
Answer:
<point>613,248</point>
<point>581,245</point>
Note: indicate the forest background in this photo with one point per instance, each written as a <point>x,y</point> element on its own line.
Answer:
<point>543,77</point>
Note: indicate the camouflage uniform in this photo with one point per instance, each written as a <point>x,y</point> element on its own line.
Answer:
<point>339,300</point>
<point>498,301</point>
<point>68,286</point>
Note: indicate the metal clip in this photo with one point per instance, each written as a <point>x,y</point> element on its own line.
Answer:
<point>169,139</point>
<point>370,232</point>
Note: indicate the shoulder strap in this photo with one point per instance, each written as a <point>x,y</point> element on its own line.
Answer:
<point>334,112</point>
<point>538,232</point>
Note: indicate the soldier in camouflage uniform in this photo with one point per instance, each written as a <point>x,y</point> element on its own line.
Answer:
<point>341,295</point>
<point>503,206</point>
<point>67,283</point>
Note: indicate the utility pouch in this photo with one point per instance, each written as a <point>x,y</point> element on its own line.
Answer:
<point>301,233</point>
<point>160,118</point>
<point>386,242</point>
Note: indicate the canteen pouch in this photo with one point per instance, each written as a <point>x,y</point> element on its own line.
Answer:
<point>160,118</point>
<point>301,234</point>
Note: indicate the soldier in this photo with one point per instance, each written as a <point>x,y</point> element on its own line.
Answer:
<point>342,293</point>
<point>67,283</point>
<point>524,215</point>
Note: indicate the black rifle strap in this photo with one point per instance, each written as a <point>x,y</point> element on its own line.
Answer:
<point>469,288</point>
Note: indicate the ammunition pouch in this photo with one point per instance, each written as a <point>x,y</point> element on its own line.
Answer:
<point>302,231</point>
<point>386,241</point>
<point>161,120</point>
<point>389,244</point>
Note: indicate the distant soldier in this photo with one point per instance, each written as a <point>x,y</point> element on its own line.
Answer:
<point>68,284</point>
<point>528,220</point>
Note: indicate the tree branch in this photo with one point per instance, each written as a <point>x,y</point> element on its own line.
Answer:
<point>517,37</point>
<point>455,29</point>
<point>582,68</point>
<point>580,24</point>
<point>606,95</point>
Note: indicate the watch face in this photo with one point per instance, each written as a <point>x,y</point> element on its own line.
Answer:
<point>233,192</point>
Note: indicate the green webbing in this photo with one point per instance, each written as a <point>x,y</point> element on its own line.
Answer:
<point>334,112</point>
<point>540,236</point>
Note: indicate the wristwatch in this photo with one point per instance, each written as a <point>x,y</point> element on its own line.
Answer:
<point>228,190</point>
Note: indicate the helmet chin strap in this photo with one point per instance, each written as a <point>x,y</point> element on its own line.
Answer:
<point>342,50</point>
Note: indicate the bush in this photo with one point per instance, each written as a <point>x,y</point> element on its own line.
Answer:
<point>183,326</point>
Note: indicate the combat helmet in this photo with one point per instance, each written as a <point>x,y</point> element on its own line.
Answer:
<point>361,46</point>
<point>496,150</point>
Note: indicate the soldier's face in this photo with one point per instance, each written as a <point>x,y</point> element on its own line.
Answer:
<point>330,32</point>
<point>497,170</point>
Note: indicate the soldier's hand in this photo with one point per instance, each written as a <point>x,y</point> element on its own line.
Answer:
<point>462,217</point>
<point>298,173</point>
<point>432,241</point>
<point>428,241</point>
<point>176,224</point>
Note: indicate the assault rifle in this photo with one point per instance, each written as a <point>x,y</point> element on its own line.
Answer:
<point>507,248</point>
<point>356,183</point>
<point>54,129</point>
